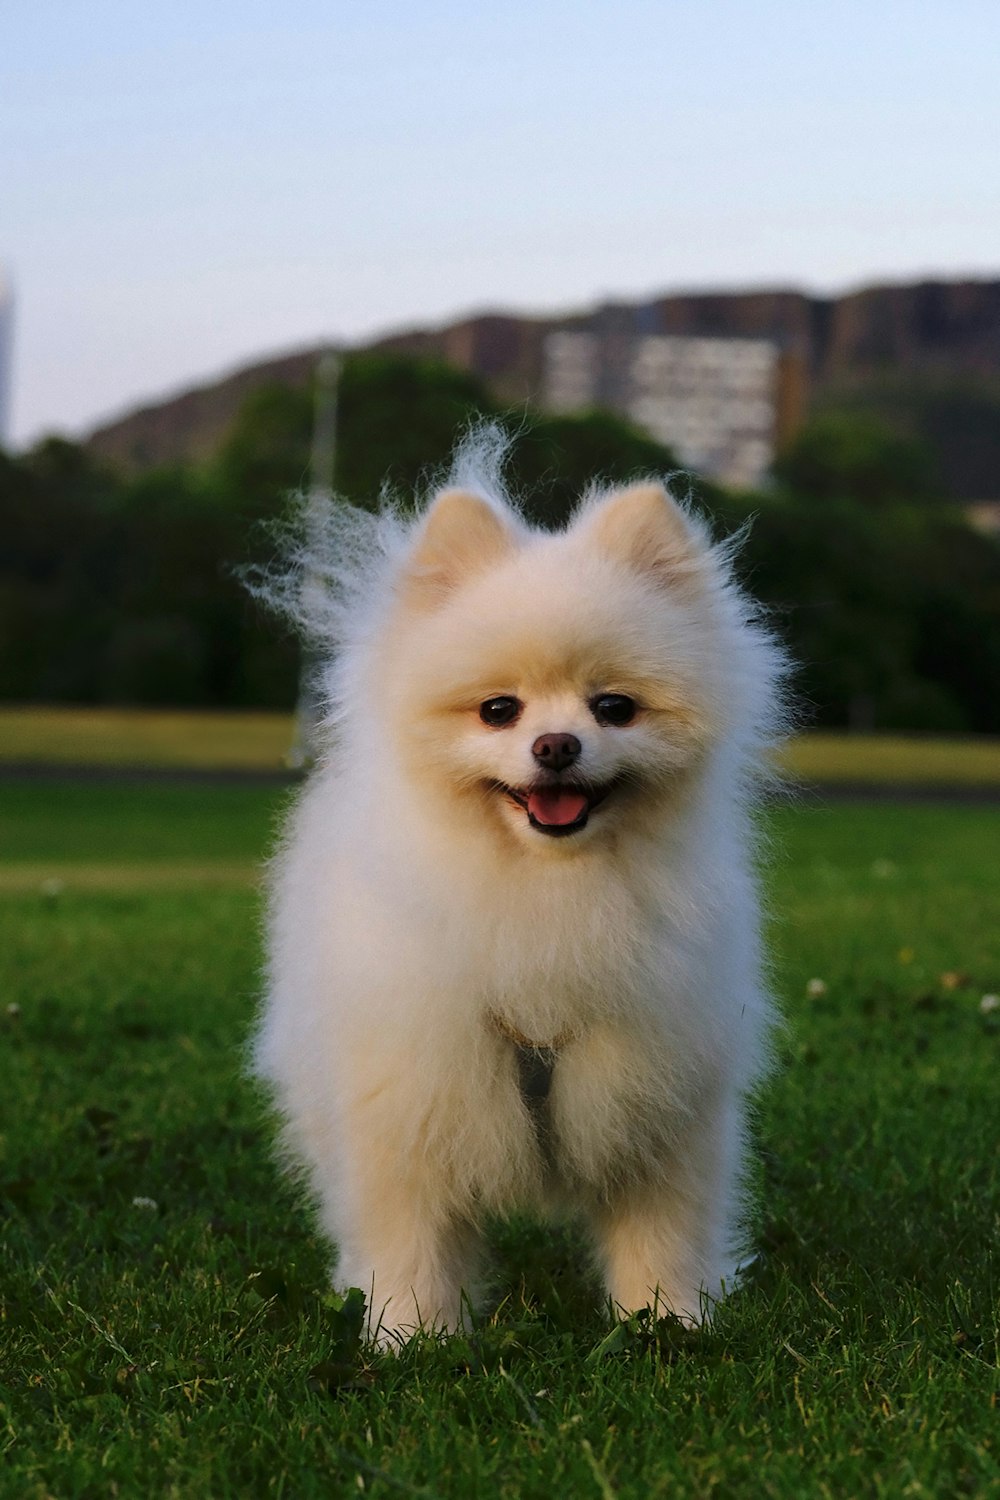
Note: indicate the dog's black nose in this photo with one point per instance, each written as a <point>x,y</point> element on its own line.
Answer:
<point>556,751</point>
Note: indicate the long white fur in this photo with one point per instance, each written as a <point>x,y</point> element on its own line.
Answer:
<point>416,919</point>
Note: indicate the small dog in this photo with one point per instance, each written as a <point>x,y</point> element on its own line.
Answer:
<point>514,929</point>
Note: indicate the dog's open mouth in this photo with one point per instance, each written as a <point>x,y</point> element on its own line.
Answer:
<point>557,808</point>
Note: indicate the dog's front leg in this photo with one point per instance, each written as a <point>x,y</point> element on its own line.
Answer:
<point>414,1256</point>
<point>671,1243</point>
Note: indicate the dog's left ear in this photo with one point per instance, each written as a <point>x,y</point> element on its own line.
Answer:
<point>644,527</point>
<point>461,535</point>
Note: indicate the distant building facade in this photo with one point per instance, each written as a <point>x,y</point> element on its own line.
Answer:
<point>723,405</point>
<point>6,356</point>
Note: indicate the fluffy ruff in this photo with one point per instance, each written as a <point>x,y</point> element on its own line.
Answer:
<point>533,823</point>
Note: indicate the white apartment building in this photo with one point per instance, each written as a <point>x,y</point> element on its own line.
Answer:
<point>714,401</point>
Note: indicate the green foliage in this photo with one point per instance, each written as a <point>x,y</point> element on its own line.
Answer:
<point>891,616</point>
<point>841,455</point>
<point>398,421</point>
<point>266,454</point>
<point>957,420</point>
<point>115,591</point>
<point>57,572</point>
<point>168,1326</point>
<point>59,467</point>
<point>123,591</point>
<point>555,460</point>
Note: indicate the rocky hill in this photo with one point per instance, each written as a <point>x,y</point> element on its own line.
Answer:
<point>885,340</point>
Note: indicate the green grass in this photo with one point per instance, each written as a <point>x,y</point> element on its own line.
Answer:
<point>190,1349</point>
<point>64,822</point>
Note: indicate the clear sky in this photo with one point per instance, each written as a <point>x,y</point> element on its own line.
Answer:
<point>187,186</point>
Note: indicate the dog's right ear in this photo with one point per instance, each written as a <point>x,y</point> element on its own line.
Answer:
<point>461,535</point>
<point>642,525</point>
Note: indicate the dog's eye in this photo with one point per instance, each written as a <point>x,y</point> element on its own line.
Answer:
<point>499,711</point>
<point>613,708</point>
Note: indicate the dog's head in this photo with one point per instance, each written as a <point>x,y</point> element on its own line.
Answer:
<point>561,684</point>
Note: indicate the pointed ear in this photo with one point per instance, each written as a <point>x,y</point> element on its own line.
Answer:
<point>461,535</point>
<point>644,527</point>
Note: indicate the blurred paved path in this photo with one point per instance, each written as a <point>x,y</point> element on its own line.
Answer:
<point>802,793</point>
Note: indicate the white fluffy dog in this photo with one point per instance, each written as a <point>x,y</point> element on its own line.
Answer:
<point>514,928</point>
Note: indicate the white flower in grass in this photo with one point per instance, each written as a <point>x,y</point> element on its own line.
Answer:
<point>52,888</point>
<point>989,1003</point>
<point>149,1204</point>
<point>816,988</point>
<point>13,1009</point>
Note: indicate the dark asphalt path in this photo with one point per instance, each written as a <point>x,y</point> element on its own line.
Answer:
<point>802,793</point>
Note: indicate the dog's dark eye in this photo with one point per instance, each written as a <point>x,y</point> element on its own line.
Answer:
<point>613,708</point>
<point>499,711</point>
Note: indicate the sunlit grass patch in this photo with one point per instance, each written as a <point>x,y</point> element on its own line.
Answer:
<point>155,738</point>
<point>893,760</point>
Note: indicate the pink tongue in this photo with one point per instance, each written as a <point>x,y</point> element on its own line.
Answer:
<point>556,805</point>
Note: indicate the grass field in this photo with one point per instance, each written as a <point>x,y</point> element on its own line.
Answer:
<point>166,1326</point>
<point>212,741</point>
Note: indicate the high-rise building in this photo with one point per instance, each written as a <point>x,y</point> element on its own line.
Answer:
<point>717,402</point>
<point>6,355</point>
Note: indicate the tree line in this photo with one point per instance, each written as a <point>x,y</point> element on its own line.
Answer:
<point>122,589</point>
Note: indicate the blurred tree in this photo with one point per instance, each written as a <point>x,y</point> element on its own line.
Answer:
<point>891,616</point>
<point>61,467</point>
<point>956,418</point>
<point>841,455</point>
<point>123,590</point>
<point>556,460</point>
<point>266,454</point>
<point>398,421</point>
<point>58,570</point>
<point>954,576</point>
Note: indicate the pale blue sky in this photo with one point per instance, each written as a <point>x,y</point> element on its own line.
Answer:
<point>184,187</point>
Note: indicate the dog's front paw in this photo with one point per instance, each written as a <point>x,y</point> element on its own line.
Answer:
<point>387,1332</point>
<point>395,1316</point>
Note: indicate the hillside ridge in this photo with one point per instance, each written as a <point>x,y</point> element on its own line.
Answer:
<point>929,330</point>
